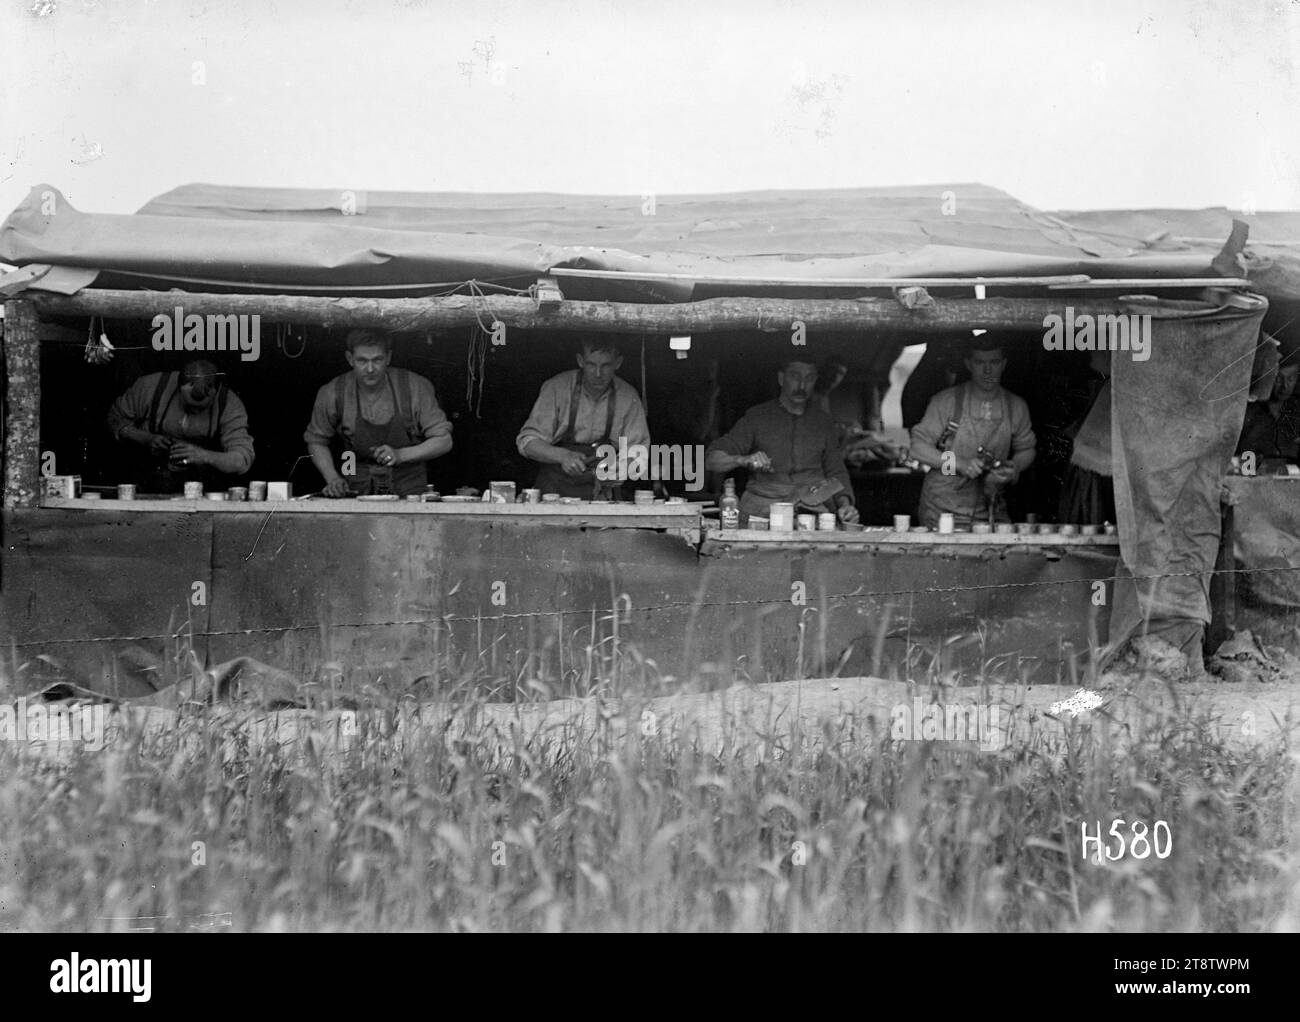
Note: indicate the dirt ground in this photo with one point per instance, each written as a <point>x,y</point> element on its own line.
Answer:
<point>745,717</point>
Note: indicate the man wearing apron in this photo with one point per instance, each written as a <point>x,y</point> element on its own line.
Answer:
<point>384,423</point>
<point>965,428</point>
<point>185,426</point>
<point>575,413</point>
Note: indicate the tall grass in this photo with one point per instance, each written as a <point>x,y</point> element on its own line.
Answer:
<point>845,829</point>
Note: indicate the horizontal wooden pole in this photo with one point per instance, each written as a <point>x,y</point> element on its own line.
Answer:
<point>768,315</point>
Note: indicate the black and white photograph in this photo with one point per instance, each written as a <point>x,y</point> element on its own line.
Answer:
<point>651,468</point>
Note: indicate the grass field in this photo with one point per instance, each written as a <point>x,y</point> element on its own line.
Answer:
<point>839,830</point>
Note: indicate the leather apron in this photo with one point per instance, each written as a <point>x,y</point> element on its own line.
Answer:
<point>553,479</point>
<point>372,477</point>
<point>964,498</point>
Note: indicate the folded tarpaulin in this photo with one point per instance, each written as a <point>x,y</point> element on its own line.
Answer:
<point>1175,420</point>
<point>213,238</point>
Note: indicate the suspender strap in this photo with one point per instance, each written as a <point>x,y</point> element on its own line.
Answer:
<point>609,414</point>
<point>220,404</point>
<point>949,435</point>
<point>403,402</point>
<point>568,435</point>
<point>158,391</point>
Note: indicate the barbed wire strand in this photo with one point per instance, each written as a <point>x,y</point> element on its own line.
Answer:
<point>658,607</point>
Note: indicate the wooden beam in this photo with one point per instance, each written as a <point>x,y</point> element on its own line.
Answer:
<point>22,437</point>
<point>768,315</point>
<point>874,282</point>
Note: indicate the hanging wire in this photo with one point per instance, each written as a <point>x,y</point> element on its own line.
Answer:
<point>283,341</point>
<point>645,393</point>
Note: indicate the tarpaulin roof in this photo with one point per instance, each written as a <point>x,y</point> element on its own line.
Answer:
<point>402,243</point>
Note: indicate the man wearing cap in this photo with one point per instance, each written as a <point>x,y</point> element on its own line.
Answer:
<point>384,422</point>
<point>575,413</point>
<point>791,448</point>
<point>183,426</point>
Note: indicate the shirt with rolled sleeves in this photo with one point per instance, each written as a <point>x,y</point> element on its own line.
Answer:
<point>135,405</point>
<point>804,450</point>
<point>550,414</point>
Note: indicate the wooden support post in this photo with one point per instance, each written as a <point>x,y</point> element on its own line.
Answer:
<point>22,438</point>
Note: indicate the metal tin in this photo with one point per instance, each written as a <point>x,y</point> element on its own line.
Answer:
<point>807,523</point>
<point>414,496</point>
<point>503,491</point>
<point>257,491</point>
<point>1087,530</point>
<point>126,491</point>
<point>62,486</point>
<point>782,517</point>
<point>92,496</point>
<point>532,496</point>
<point>193,491</point>
<point>946,522</point>
<point>279,491</point>
<point>237,493</point>
<point>902,523</point>
<point>1004,528</point>
<point>1046,529</point>
<point>1069,530</point>
<point>981,528</point>
<point>215,495</point>
<point>550,498</point>
<point>643,497</point>
<point>1024,528</point>
<point>826,521</point>
<point>757,523</point>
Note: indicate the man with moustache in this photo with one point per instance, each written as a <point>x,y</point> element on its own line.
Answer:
<point>790,446</point>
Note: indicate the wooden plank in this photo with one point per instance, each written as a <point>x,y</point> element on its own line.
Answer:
<point>887,537</point>
<point>22,436</point>
<point>767,315</point>
<point>710,278</point>
<point>1156,282</point>
<point>664,516</point>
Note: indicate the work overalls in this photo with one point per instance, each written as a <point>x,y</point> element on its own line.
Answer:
<point>553,479</point>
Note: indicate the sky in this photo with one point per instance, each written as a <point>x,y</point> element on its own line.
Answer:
<point>1064,105</point>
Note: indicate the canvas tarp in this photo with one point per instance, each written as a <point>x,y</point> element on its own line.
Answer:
<point>1266,531</point>
<point>1175,422</point>
<point>399,243</point>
